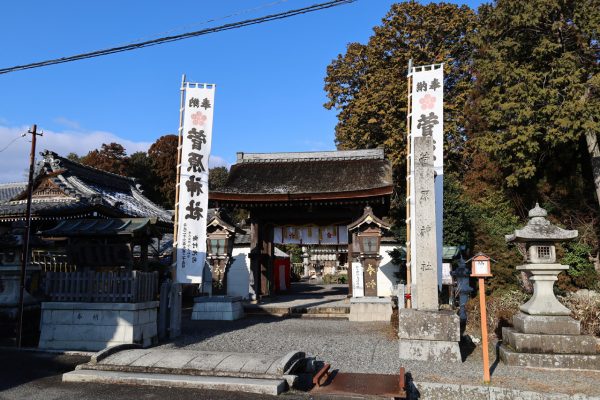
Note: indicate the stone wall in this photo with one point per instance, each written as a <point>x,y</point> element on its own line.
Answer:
<point>95,326</point>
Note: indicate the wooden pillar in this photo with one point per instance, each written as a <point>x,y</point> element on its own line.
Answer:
<point>255,255</point>
<point>266,259</point>
<point>350,257</point>
<point>144,255</point>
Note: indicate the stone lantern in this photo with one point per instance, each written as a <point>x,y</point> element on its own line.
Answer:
<point>220,235</point>
<point>366,241</point>
<point>543,333</point>
<point>537,241</point>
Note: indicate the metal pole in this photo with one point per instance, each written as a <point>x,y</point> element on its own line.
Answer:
<point>25,255</point>
<point>484,333</point>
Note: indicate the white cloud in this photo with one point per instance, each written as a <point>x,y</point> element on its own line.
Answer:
<point>216,161</point>
<point>67,122</point>
<point>14,161</point>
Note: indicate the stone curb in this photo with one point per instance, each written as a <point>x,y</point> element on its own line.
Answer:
<point>449,391</point>
<point>109,351</point>
<point>50,351</point>
<point>260,386</point>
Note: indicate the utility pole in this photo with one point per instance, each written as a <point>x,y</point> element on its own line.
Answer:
<point>25,255</point>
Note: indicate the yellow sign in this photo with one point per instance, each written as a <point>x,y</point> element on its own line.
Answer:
<point>370,269</point>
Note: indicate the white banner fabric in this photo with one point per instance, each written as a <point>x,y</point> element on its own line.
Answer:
<point>196,134</point>
<point>427,119</point>
<point>428,109</point>
<point>307,235</point>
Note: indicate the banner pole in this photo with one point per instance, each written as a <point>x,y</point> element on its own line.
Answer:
<point>179,141</point>
<point>408,290</point>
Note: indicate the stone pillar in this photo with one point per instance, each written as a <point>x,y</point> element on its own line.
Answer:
<point>426,333</point>
<point>425,238</point>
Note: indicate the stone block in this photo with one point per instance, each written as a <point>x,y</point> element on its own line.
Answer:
<point>567,361</point>
<point>549,325</point>
<point>428,325</point>
<point>61,316</point>
<point>130,317</point>
<point>448,391</point>
<point>365,311</point>
<point>98,324</point>
<point>429,350</point>
<point>552,344</point>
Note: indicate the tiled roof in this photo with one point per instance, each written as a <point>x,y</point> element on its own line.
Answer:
<point>308,173</point>
<point>10,190</point>
<point>86,190</point>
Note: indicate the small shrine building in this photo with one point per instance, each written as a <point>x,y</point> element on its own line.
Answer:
<point>308,199</point>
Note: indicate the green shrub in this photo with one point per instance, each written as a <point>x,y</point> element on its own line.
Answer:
<point>585,308</point>
<point>582,273</point>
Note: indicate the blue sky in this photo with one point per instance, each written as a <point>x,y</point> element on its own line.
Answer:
<point>269,77</point>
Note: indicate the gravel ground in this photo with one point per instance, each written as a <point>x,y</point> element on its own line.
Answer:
<point>367,348</point>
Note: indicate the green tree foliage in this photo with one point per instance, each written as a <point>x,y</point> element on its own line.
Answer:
<point>582,273</point>
<point>163,154</point>
<point>368,86</point>
<point>217,177</point>
<point>536,73</point>
<point>140,167</point>
<point>110,157</point>
<point>458,214</point>
<point>73,157</point>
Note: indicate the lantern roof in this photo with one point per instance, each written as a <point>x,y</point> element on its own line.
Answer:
<point>368,218</point>
<point>540,229</point>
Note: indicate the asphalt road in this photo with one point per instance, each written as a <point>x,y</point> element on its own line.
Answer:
<point>27,375</point>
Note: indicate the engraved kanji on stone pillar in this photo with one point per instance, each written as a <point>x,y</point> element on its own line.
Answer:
<point>425,238</point>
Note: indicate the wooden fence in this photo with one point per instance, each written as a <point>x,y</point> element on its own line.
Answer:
<point>54,262</point>
<point>102,287</point>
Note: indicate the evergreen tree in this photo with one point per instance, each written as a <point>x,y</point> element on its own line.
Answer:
<point>368,84</point>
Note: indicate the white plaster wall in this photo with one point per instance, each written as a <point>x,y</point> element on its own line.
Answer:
<point>239,277</point>
<point>386,277</point>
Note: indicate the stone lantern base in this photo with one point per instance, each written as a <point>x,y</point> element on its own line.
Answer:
<point>548,342</point>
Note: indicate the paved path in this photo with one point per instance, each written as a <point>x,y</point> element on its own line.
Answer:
<point>368,348</point>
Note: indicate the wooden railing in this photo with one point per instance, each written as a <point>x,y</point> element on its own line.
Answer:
<point>102,287</point>
<point>54,262</point>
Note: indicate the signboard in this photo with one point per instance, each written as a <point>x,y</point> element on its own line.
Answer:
<point>371,277</point>
<point>195,135</point>
<point>427,120</point>
<point>358,284</point>
<point>446,276</point>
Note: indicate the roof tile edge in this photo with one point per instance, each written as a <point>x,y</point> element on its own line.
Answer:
<point>365,154</point>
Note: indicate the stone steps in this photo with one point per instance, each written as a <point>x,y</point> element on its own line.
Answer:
<point>320,316</point>
<point>549,344</point>
<point>568,361</point>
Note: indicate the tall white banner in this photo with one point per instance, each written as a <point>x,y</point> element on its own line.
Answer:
<point>427,119</point>
<point>192,208</point>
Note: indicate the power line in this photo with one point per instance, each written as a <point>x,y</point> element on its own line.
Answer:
<point>167,39</point>
<point>12,141</point>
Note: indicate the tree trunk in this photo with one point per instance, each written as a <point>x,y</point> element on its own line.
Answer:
<point>592,146</point>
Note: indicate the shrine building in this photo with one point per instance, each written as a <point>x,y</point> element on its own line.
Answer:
<point>309,199</point>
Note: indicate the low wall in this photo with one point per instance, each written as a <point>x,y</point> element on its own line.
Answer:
<point>369,309</point>
<point>219,308</point>
<point>94,326</point>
